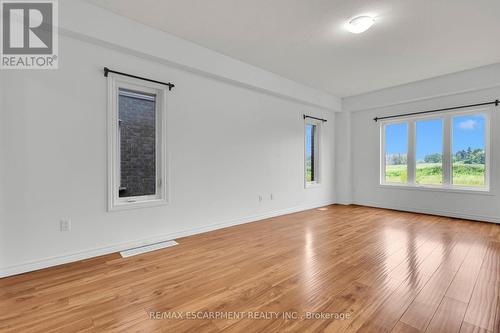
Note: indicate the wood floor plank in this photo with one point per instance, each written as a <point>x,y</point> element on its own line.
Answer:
<point>423,308</point>
<point>462,286</point>
<point>448,317</point>
<point>482,308</point>
<point>388,314</point>
<point>389,270</point>
<point>404,328</point>
<point>469,328</point>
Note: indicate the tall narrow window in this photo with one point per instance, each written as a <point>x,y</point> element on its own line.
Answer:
<point>137,126</point>
<point>136,116</point>
<point>469,150</point>
<point>312,129</point>
<point>396,152</point>
<point>429,152</point>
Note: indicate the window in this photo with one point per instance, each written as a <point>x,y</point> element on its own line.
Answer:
<point>469,150</point>
<point>312,135</point>
<point>449,150</point>
<point>136,140</point>
<point>429,152</point>
<point>396,153</point>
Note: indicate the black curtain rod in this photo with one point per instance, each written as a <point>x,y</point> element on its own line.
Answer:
<point>107,70</point>
<point>496,102</point>
<point>323,120</point>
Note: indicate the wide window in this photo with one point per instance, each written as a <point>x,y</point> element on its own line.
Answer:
<point>136,139</point>
<point>312,135</point>
<point>449,150</point>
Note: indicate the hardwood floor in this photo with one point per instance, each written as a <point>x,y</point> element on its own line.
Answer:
<point>385,271</point>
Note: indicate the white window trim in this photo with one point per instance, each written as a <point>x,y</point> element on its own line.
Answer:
<point>317,182</point>
<point>447,185</point>
<point>115,82</point>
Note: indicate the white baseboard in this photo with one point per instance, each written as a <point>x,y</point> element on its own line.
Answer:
<point>475,217</point>
<point>64,259</point>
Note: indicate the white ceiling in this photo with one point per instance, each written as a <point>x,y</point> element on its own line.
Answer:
<point>304,40</point>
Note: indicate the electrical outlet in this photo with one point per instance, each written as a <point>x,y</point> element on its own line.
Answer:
<point>271,197</point>
<point>260,198</point>
<point>65,225</point>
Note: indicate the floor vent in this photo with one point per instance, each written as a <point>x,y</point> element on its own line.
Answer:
<point>147,248</point>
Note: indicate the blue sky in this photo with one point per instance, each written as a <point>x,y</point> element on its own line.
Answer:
<point>309,129</point>
<point>429,137</point>
<point>468,131</point>
<point>396,138</point>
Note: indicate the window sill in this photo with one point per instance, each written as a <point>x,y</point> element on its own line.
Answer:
<point>463,190</point>
<point>312,185</point>
<point>136,205</point>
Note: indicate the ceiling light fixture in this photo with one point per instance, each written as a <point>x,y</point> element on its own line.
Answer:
<point>360,24</point>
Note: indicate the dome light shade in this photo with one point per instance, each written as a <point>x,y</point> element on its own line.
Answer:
<point>360,24</point>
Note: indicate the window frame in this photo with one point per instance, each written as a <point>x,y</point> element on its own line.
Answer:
<point>447,160</point>
<point>115,83</point>
<point>317,160</point>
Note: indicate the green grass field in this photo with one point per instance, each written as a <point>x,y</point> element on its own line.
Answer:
<point>308,170</point>
<point>432,174</point>
<point>468,174</point>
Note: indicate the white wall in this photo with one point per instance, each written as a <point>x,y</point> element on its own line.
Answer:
<point>228,144</point>
<point>85,21</point>
<point>440,92</point>
<point>343,158</point>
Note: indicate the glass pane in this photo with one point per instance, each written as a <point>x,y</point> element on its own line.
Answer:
<point>469,150</point>
<point>429,150</point>
<point>396,151</point>
<point>311,152</point>
<point>137,130</point>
